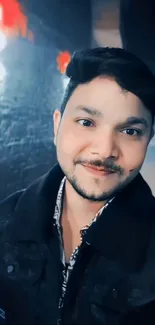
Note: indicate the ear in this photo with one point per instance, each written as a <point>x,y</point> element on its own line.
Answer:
<point>56,123</point>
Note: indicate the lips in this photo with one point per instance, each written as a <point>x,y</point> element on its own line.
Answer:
<point>98,170</point>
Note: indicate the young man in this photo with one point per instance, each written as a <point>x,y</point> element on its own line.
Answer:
<point>81,239</point>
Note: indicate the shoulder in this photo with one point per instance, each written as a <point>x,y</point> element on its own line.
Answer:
<point>24,199</point>
<point>28,208</point>
<point>8,205</point>
<point>10,201</point>
<point>13,207</point>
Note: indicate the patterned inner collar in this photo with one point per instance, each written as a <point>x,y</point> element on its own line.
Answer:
<point>58,208</point>
<point>68,267</point>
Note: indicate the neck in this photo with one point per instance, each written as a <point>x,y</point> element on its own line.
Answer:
<point>79,209</point>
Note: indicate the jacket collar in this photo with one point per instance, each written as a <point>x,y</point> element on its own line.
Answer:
<point>123,227</point>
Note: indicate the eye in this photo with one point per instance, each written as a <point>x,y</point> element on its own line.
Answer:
<point>86,123</point>
<point>132,132</point>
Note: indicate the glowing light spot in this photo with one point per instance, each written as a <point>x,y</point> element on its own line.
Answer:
<point>63,60</point>
<point>12,19</point>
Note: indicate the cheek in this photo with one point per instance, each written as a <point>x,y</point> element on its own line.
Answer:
<point>68,143</point>
<point>134,157</point>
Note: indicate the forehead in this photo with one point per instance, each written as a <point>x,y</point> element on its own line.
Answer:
<point>108,97</point>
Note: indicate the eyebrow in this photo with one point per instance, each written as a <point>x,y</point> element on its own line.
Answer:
<point>90,110</point>
<point>132,120</point>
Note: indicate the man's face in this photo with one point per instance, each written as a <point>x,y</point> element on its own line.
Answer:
<point>102,138</point>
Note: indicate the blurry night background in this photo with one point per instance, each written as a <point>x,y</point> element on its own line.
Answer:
<point>34,36</point>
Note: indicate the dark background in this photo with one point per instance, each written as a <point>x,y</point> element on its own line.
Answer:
<point>31,88</point>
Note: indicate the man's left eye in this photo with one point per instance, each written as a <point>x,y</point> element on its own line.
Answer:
<point>131,132</point>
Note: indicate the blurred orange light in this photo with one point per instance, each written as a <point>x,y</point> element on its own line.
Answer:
<point>63,60</point>
<point>12,19</point>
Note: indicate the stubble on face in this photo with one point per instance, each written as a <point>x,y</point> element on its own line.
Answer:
<point>75,144</point>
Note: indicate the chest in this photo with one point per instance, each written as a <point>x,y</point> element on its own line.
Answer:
<point>101,292</point>
<point>98,289</point>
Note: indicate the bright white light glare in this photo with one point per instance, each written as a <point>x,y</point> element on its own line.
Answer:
<point>3,75</point>
<point>65,81</point>
<point>3,41</point>
<point>3,72</point>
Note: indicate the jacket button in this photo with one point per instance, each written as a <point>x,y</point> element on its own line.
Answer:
<point>10,268</point>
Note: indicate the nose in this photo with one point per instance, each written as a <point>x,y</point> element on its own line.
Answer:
<point>105,145</point>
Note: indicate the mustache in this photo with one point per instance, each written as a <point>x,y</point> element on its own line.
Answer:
<point>107,164</point>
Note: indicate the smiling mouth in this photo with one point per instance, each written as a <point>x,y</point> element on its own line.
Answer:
<point>98,170</point>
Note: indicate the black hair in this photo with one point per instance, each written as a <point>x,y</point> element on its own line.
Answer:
<point>126,69</point>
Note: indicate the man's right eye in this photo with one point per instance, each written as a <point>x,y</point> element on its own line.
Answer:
<point>86,123</point>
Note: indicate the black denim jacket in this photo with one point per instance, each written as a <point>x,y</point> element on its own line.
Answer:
<point>113,279</point>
